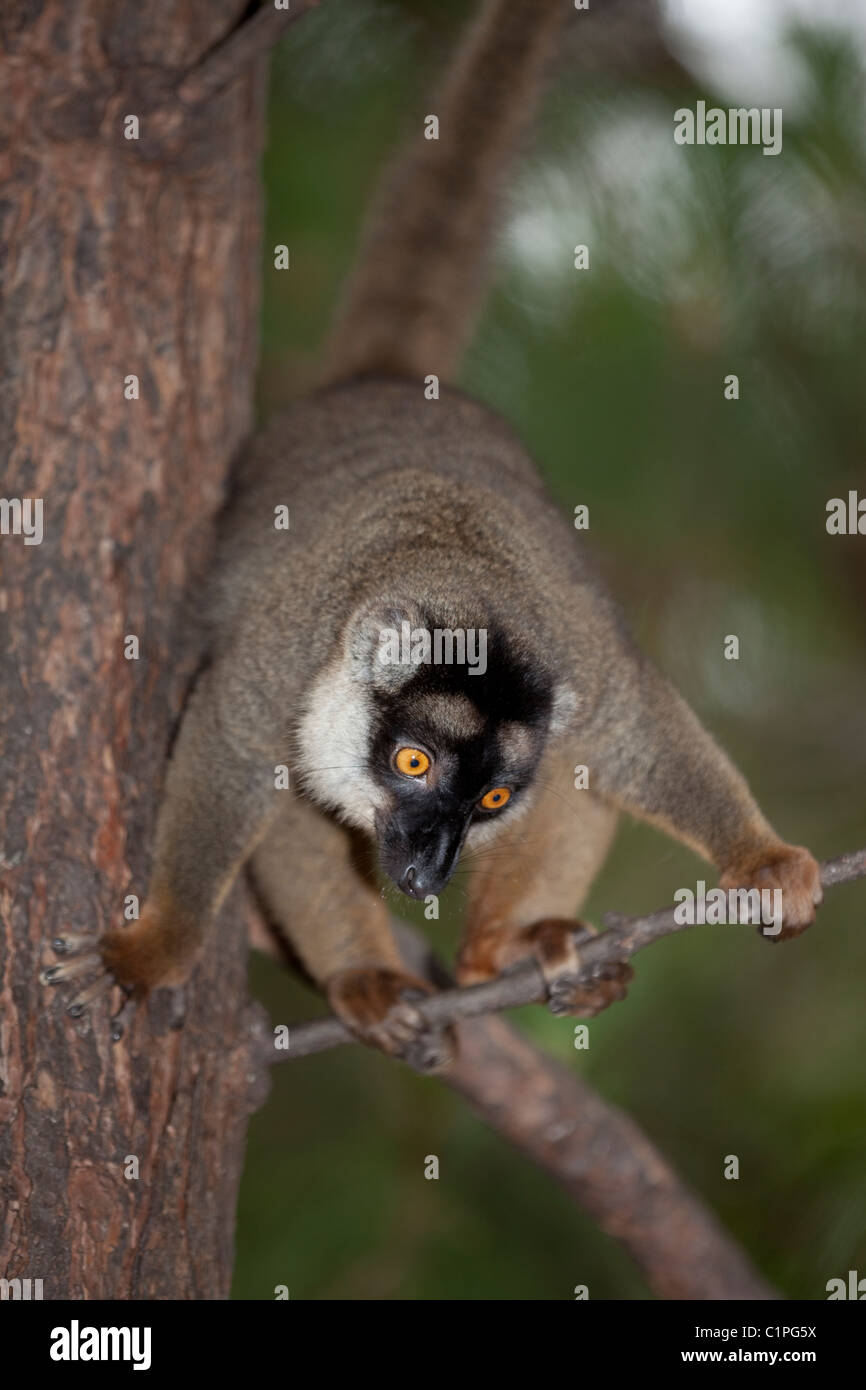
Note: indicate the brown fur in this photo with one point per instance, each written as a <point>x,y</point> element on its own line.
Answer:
<point>411,304</point>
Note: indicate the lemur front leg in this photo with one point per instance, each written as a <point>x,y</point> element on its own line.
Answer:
<point>652,757</point>
<point>529,881</point>
<point>316,883</point>
<point>218,798</point>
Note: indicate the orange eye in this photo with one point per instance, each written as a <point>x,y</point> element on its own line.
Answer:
<point>412,761</point>
<point>494,800</point>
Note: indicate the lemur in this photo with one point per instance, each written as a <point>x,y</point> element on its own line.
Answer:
<point>408,508</point>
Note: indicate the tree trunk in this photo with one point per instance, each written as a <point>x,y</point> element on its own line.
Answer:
<point>123,257</point>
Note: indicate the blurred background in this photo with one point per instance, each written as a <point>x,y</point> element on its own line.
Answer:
<point>708,516</point>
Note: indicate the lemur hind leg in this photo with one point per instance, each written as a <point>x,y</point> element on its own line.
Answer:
<point>316,881</point>
<point>527,884</point>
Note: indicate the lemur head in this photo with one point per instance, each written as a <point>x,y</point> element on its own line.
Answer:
<point>429,736</point>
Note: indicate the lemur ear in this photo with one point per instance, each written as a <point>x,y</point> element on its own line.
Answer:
<point>379,642</point>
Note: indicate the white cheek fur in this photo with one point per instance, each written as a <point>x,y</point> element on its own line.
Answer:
<point>333,739</point>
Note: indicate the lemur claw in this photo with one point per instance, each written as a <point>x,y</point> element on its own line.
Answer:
<point>120,1020</point>
<point>69,943</point>
<point>70,970</point>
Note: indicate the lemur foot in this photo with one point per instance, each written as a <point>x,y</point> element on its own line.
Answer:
<point>571,988</point>
<point>138,958</point>
<point>554,943</point>
<point>376,1004</point>
<point>793,871</point>
<point>90,962</point>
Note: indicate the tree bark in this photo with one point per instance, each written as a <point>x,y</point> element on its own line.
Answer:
<point>122,256</point>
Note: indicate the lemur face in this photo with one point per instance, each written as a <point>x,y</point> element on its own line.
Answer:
<point>454,757</point>
<point>425,754</point>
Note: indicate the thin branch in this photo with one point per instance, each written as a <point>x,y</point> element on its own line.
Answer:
<point>524,983</point>
<point>223,63</point>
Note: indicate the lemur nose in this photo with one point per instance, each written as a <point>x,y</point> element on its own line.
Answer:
<point>407,882</point>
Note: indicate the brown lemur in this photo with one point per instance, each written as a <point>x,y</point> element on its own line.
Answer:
<point>426,512</point>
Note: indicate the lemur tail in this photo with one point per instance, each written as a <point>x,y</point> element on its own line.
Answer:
<point>412,301</point>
